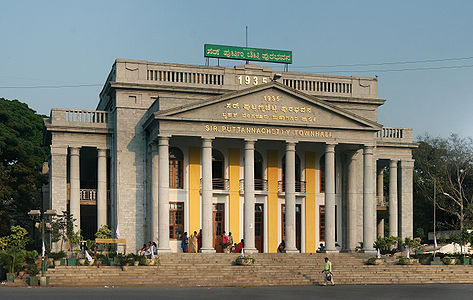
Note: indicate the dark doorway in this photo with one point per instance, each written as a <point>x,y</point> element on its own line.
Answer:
<point>218,226</point>
<point>259,227</point>
<point>298,224</point>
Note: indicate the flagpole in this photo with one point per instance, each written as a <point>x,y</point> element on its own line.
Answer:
<point>435,235</point>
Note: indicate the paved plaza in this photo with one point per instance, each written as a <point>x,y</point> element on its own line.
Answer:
<point>430,292</point>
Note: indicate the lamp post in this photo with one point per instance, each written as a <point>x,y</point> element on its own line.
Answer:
<point>42,221</point>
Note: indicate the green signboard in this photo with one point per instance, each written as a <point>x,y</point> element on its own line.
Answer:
<point>242,53</point>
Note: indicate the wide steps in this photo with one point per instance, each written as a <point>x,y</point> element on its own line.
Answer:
<point>213,270</point>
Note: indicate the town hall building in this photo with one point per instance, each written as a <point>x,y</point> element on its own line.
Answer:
<point>268,156</point>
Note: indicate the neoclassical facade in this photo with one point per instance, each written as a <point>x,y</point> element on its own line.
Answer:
<point>265,155</point>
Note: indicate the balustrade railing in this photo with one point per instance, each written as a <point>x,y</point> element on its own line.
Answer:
<point>79,117</point>
<point>300,186</point>
<point>88,196</point>
<point>222,184</point>
<point>260,185</point>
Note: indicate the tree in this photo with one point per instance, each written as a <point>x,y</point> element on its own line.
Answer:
<point>21,157</point>
<point>447,165</point>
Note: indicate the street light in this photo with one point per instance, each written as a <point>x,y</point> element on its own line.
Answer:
<point>461,212</point>
<point>36,215</point>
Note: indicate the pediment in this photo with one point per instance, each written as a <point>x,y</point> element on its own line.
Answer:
<point>269,104</point>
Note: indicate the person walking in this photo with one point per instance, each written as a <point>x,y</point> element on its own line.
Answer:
<point>328,276</point>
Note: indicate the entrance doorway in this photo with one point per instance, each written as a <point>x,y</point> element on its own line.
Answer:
<point>298,224</point>
<point>218,226</point>
<point>259,227</point>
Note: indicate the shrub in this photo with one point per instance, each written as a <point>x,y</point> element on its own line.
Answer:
<point>57,255</point>
<point>246,260</point>
<point>31,256</point>
<point>373,260</point>
<point>32,269</point>
<point>141,260</point>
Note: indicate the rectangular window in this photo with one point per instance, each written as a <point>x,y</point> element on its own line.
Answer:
<point>322,223</point>
<point>176,220</point>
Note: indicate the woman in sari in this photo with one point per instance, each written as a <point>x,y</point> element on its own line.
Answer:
<point>193,243</point>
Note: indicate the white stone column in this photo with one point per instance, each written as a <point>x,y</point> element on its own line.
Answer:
<point>369,216</point>
<point>249,197</point>
<point>351,202</point>
<point>393,223</point>
<point>101,187</point>
<point>163,195</point>
<point>58,183</point>
<point>406,205</point>
<point>380,228</point>
<point>207,211</point>
<point>154,192</point>
<point>74,203</point>
<point>330,198</point>
<point>290,198</point>
<point>380,186</point>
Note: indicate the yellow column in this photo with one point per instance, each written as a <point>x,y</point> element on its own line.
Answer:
<point>194,189</point>
<point>272,201</point>
<point>310,202</point>
<point>234,200</point>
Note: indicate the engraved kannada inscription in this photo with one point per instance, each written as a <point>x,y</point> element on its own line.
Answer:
<point>270,109</point>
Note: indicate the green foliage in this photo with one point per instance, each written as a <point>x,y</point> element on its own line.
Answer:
<point>387,245</point>
<point>57,255</point>
<point>32,269</point>
<point>31,256</point>
<point>142,260</point>
<point>14,254</point>
<point>373,260</point>
<point>414,243</point>
<point>21,158</point>
<point>112,254</point>
<point>89,245</point>
<point>246,260</point>
<point>124,260</point>
<point>104,232</point>
<point>402,260</point>
<point>447,164</point>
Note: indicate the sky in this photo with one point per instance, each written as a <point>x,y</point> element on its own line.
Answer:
<point>421,51</point>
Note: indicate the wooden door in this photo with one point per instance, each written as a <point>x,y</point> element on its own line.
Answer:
<point>218,226</point>
<point>259,227</point>
<point>298,224</point>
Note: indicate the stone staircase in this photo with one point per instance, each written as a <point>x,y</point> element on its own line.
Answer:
<point>212,270</point>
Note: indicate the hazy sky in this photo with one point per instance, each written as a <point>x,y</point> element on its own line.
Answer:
<point>61,43</point>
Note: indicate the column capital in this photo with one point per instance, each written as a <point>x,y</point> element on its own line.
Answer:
<point>207,142</point>
<point>163,140</point>
<point>407,164</point>
<point>101,152</point>
<point>58,150</point>
<point>290,146</point>
<point>393,164</point>
<point>250,144</point>
<point>74,151</point>
<point>368,150</point>
<point>330,147</point>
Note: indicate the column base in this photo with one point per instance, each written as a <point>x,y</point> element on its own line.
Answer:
<point>164,250</point>
<point>292,251</point>
<point>370,251</point>
<point>329,251</point>
<point>207,250</point>
<point>250,250</point>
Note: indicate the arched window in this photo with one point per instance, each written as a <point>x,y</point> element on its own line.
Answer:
<point>218,164</point>
<point>176,162</point>
<point>259,175</point>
